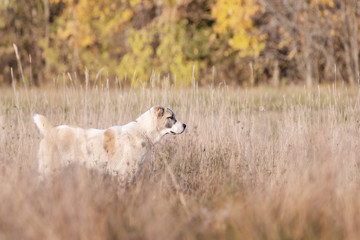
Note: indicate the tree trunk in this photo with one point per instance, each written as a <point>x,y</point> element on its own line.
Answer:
<point>347,44</point>
<point>47,32</point>
<point>307,46</point>
<point>276,73</point>
<point>354,41</point>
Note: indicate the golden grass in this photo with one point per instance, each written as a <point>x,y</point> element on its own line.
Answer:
<point>252,164</point>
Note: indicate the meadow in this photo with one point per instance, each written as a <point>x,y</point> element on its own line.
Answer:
<point>259,163</point>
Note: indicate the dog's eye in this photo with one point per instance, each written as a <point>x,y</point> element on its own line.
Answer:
<point>170,117</point>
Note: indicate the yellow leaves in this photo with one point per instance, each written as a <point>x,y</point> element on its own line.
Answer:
<point>147,3</point>
<point>126,15</point>
<point>113,25</point>
<point>73,27</point>
<point>232,13</point>
<point>78,32</point>
<point>137,62</point>
<point>236,17</point>
<point>67,31</point>
<point>332,32</point>
<point>134,2</point>
<point>83,19</point>
<point>327,3</point>
<point>88,38</point>
<point>171,55</point>
<point>240,41</point>
<point>167,59</point>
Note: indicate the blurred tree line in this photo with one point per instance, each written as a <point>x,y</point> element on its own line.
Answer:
<point>145,41</point>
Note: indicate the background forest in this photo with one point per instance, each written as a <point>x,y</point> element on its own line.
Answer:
<point>142,42</point>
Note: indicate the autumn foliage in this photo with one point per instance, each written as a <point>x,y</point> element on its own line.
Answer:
<point>140,42</point>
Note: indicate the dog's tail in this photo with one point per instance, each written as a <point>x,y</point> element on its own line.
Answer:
<point>42,123</point>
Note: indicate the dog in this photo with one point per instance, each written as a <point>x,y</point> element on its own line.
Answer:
<point>118,150</point>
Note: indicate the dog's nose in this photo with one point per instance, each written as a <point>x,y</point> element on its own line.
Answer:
<point>184,125</point>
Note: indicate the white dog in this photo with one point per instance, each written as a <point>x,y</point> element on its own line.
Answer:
<point>118,150</point>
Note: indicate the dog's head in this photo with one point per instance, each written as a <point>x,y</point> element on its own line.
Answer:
<point>167,122</point>
<point>159,121</point>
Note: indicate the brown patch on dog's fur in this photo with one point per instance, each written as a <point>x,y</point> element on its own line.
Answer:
<point>143,144</point>
<point>109,143</point>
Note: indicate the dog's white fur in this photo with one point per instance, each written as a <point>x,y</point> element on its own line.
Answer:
<point>118,150</point>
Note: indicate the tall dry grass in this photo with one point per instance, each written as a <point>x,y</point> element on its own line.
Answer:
<point>252,164</point>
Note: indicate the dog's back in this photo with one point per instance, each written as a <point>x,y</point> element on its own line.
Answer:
<point>60,146</point>
<point>117,150</point>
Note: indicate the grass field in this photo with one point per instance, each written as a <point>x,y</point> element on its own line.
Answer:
<point>252,164</point>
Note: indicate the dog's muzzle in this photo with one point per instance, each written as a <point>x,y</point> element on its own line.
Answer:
<point>183,129</point>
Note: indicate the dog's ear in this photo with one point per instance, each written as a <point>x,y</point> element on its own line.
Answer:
<point>159,111</point>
